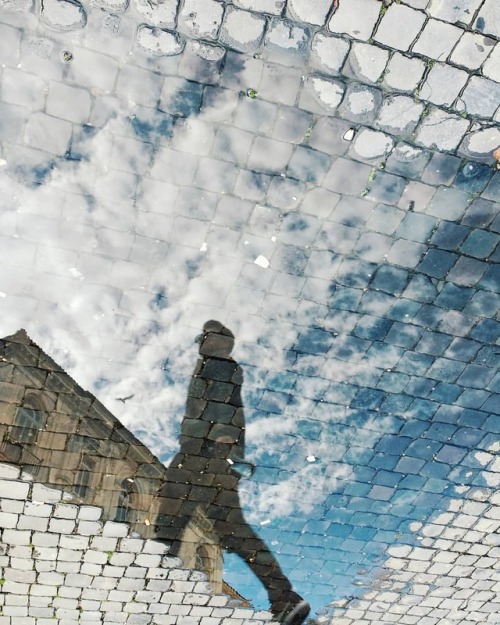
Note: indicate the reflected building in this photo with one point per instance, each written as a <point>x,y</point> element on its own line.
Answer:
<point>66,439</point>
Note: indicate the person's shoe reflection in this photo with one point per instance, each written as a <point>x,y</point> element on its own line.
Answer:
<point>198,507</point>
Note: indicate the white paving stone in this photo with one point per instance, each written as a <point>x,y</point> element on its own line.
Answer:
<point>311,13</point>
<point>356,18</point>
<point>399,26</point>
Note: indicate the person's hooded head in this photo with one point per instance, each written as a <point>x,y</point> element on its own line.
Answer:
<point>216,340</point>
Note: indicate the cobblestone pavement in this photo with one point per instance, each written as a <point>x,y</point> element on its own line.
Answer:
<point>321,177</point>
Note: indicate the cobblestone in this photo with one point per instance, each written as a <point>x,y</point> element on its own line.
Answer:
<point>399,26</point>
<point>441,130</point>
<point>357,19</point>
<point>443,84</point>
<point>403,73</point>
<point>481,96</point>
<point>288,148</point>
<point>328,53</point>
<point>242,30</point>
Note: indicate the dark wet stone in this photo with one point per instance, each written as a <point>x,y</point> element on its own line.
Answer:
<point>442,169</point>
<point>473,177</point>
<point>437,263</point>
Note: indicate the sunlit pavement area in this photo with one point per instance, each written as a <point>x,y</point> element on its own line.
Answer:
<point>322,179</point>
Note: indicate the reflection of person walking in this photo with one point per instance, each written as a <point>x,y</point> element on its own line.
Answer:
<point>199,501</point>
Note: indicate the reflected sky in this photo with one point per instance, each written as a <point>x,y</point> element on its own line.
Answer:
<point>142,195</point>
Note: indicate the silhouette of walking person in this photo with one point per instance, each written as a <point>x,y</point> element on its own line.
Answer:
<point>198,506</point>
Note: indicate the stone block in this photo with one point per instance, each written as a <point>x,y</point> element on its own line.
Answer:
<point>308,165</point>
<point>360,103</point>
<point>441,130</point>
<point>14,489</point>
<point>441,170</point>
<point>159,42</point>
<point>404,73</point>
<point>255,115</point>
<point>64,16</point>
<point>161,15</point>
<point>488,19</point>
<point>48,133</point>
<point>371,145</point>
<point>286,42</point>
<point>242,30</point>
<point>399,115</point>
<point>202,62</point>
<point>200,18</point>
<point>328,53</point>
<point>491,69</point>
<point>292,125</point>
<point>407,160</point>
<point>82,69</point>
<point>304,11</point>
<point>365,62</point>
<point>321,95</point>
<point>347,177</point>
<point>399,26</point>
<point>112,529</point>
<point>437,40</point>
<point>471,51</point>
<point>9,471</point>
<point>10,43</point>
<point>357,19</point>
<point>279,84</point>
<point>451,11</point>
<point>443,84</point>
<point>448,203</point>
<point>23,89</point>
<point>70,103</point>
<point>481,97</point>
<point>272,7</point>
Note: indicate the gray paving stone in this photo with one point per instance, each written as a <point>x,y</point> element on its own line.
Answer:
<point>441,130</point>
<point>242,30</point>
<point>255,115</point>
<point>488,19</point>
<point>308,165</point>
<point>480,145</point>
<point>365,62</point>
<point>437,40</point>
<point>491,69</point>
<point>48,133</point>
<point>371,145</point>
<point>279,84</point>
<point>452,12</point>
<point>273,7</point>
<point>286,42</point>
<point>159,42</point>
<point>63,16</point>
<point>319,202</point>
<point>357,19</point>
<point>23,89</point>
<point>443,84</point>
<point>328,53</point>
<point>407,160</point>
<point>202,62</point>
<point>10,39</point>
<point>442,169</point>
<point>241,71</point>
<point>347,177</point>
<point>70,103</point>
<point>360,103</point>
<point>481,96</point>
<point>403,73</point>
<point>268,156</point>
<point>304,11</point>
<point>471,51</point>
<point>385,188</point>
<point>328,135</point>
<point>292,125</point>
<point>399,115</point>
<point>321,95</point>
<point>399,26</point>
<point>201,19</point>
<point>161,15</point>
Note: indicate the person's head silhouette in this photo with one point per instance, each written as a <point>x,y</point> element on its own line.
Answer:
<point>216,340</point>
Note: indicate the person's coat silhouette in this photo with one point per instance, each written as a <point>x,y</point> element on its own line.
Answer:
<point>199,509</point>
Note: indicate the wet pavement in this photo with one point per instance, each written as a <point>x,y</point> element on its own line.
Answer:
<point>322,180</point>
